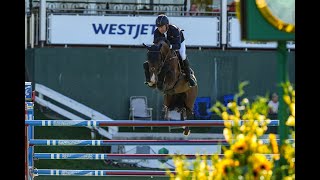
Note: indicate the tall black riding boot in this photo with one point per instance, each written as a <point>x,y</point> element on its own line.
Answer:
<point>146,72</point>
<point>186,69</point>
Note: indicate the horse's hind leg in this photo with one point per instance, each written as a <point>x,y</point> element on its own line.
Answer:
<point>165,111</point>
<point>166,103</point>
<point>189,115</point>
<point>189,103</point>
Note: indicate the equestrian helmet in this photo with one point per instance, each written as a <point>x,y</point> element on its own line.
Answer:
<point>162,20</point>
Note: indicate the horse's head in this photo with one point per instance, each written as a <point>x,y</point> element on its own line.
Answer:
<point>158,56</point>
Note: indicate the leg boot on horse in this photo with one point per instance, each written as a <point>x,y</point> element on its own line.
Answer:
<point>186,69</point>
<point>147,74</point>
<point>189,115</point>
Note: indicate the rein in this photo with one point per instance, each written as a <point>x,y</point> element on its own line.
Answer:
<point>165,59</point>
<point>180,74</point>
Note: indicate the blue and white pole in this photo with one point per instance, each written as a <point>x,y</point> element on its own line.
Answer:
<point>29,115</point>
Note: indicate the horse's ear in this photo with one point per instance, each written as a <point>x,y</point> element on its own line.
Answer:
<point>148,47</point>
<point>160,46</point>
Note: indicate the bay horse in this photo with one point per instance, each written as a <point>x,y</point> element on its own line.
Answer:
<point>167,76</point>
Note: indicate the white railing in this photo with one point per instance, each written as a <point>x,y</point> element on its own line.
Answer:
<point>43,91</point>
<point>29,30</point>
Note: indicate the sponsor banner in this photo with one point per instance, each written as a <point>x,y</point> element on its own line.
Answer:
<point>234,38</point>
<point>128,30</point>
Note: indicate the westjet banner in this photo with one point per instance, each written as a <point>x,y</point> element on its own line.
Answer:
<point>234,38</point>
<point>128,30</point>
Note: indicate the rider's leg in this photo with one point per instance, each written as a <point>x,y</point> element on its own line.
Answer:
<point>185,64</point>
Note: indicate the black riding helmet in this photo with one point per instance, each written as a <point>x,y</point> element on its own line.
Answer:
<point>162,20</point>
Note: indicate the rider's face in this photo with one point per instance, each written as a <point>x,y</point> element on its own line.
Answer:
<point>162,29</point>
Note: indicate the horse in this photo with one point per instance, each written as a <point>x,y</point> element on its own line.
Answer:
<point>167,76</point>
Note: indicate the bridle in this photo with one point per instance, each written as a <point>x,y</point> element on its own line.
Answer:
<point>163,60</point>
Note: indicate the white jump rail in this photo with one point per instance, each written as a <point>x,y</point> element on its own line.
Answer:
<point>44,91</point>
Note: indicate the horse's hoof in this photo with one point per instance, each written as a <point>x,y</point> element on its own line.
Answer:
<point>186,131</point>
<point>149,83</point>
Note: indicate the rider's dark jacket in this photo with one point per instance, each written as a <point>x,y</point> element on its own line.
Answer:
<point>174,36</point>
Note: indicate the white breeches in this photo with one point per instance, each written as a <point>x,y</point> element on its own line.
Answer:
<point>182,51</point>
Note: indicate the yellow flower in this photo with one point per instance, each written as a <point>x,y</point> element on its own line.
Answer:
<point>274,146</point>
<point>265,128</point>
<point>288,178</point>
<point>228,154</point>
<point>276,156</point>
<point>224,164</point>
<point>252,139</point>
<point>227,134</point>
<point>225,115</point>
<point>268,121</point>
<point>287,99</point>
<point>236,163</point>
<point>237,113</point>
<point>259,131</point>
<point>261,117</point>
<point>203,165</point>
<point>232,117</point>
<point>242,128</point>
<point>186,173</point>
<point>292,109</point>
<point>262,148</point>
<point>260,163</point>
<point>290,121</point>
<point>171,176</point>
<point>240,137</point>
<point>232,105</point>
<point>239,147</point>
<point>236,121</point>
<point>228,123</point>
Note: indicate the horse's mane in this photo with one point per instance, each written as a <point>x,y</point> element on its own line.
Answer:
<point>155,49</point>
<point>153,53</point>
<point>164,45</point>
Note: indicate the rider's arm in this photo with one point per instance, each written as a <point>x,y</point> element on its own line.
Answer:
<point>176,40</point>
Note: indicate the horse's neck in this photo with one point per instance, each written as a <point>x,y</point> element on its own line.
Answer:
<point>176,75</point>
<point>166,53</point>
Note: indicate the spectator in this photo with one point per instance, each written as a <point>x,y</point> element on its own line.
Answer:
<point>273,104</point>
<point>144,10</point>
<point>232,7</point>
<point>193,10</point>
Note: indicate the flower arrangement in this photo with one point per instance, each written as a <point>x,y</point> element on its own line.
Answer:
<point>247,156</point>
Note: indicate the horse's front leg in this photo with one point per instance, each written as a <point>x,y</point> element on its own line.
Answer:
<point>160,80</point>
<point>165,111</point>
<point>161,77</point>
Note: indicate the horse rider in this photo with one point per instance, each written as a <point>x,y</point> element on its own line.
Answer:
<point>176,38</point>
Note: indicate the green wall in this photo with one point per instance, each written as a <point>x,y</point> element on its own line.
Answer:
<point>104,79</point>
